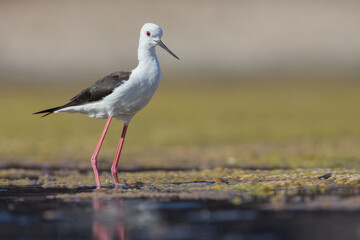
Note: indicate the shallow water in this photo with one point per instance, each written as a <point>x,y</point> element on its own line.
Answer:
<point>38,213</point>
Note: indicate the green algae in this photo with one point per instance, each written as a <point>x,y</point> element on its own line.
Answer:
<point>235,185</point>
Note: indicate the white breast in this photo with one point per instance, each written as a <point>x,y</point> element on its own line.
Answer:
<point>135,93</point>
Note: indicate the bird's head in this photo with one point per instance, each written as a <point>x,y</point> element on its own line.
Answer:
<point>150,37</point>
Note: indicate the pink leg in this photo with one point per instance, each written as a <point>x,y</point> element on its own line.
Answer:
<point>117,156</point>
<point>96,153</point>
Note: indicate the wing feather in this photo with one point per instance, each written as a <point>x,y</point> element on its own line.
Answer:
<point>96,92</point>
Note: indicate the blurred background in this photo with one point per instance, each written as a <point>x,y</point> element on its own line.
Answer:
<point>67,40</point>
<point>260,83</point>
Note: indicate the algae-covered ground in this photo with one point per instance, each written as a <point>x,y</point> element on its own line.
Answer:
<point>273,187</point>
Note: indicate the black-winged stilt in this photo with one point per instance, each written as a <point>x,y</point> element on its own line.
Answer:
<point>121,94</point>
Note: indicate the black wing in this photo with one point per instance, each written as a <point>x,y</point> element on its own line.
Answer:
<point>96,92</point>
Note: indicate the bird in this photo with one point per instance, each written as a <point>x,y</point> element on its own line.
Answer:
<point>120,94</point>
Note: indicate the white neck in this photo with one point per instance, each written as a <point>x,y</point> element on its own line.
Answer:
<point>145,54</point>
<point>148,62</point>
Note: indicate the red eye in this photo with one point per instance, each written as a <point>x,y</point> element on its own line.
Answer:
<point>148,33</point>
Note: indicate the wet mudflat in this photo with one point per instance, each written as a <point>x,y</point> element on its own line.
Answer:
<point>206,204</point>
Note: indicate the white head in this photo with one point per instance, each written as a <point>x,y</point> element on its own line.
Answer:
<point>150,37</point>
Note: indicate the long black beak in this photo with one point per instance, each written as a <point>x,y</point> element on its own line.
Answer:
<point>161,44</point>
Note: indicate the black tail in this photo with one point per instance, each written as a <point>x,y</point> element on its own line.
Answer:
<point>48,111</point>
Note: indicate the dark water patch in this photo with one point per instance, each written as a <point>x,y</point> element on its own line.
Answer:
<point>36,213</point>
<point>36,191</point>
<point>179,205</point>
<point>223,215</point>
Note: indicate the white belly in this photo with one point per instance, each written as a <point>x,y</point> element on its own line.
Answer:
<point>130,97</point>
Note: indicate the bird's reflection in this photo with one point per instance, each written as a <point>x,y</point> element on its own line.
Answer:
<point>108,219</point>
